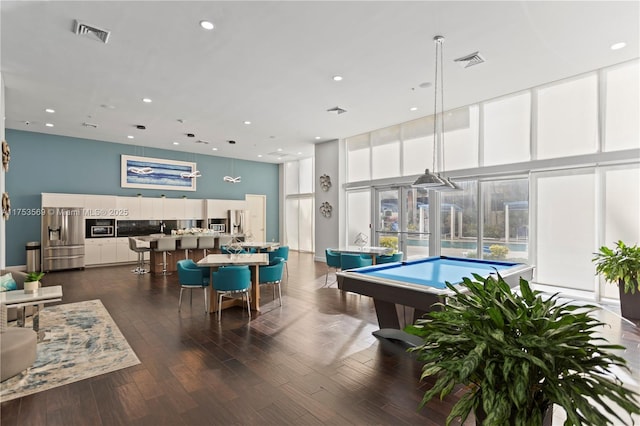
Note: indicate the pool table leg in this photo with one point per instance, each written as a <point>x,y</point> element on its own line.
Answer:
<point>387,314</point>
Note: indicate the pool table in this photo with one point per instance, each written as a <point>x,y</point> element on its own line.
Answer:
<point>419,284</point>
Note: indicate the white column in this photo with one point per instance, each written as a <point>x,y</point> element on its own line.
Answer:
<point>506,223</point>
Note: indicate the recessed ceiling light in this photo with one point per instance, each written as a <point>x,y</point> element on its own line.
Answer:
<point>129,137</point>
<point>299,153</point>
<point>337,78</point>
<point>206,25</point>
<point>259,155</point>
<point>413,109</point>
<point>146,100</point>
<point>50,111</point>
<point>49,124</point>
<point>617,46</point>
<point>214,149</point>
<point>247,122</point>
<point>176,143</point>
<point>279,158</point>
<point>279,149</point>
<point>317,137</point>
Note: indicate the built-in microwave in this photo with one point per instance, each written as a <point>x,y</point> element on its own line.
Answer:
<point>102,231</point>
<point>217,227</point>
<point>100,228</point>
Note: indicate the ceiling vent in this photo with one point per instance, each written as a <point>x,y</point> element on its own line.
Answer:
<point>279,154</point>
<point>470,60</point>
<point>92,31</point>
<point>93,126</point>
<point>201,141</point>
<point>337,110</point>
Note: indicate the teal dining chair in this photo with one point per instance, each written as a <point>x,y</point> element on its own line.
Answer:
<point>388,258</point>
<point>333,261</point>
<point>283,252</point>
<point>192,276</point>
<point>230,282</point>
<point>353,261</point>
<point>271,274</point>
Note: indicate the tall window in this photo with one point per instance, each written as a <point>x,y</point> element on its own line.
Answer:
<point>568,118</point>
<point>459,221</point>
<point>507,129</point>
<point>622,107</point>
<point>417,141</point>
<point>358,158</point>
<point>385,152</point>
<point>505,218</point>
<point>461,138</point>
<point>299,223</point>
<point>565,228</point>
<point>358,214</point>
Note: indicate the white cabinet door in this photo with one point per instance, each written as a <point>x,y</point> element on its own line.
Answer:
<point>173,208</point>
<point>100,206</point>
<point>129,207</point>
<point>99,251</point>
<point>108,254</point>
<point>92,248</point>
<point>123,253</point>
<point>194,209</point>
<point>62,200</point>
<point>151,208</point>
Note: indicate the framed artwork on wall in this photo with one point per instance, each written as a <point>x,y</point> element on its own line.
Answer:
<point>157,173</point>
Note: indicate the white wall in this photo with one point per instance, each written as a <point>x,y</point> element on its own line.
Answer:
<point>3,246</point>
<point>327,229</point>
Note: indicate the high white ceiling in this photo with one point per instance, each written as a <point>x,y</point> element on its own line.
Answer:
<point>272,63</point>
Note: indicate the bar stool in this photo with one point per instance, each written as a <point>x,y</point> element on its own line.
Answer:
<point>188,242</point>
<point>164,245</point>
<point>139,247</point>
<point>206,243</point>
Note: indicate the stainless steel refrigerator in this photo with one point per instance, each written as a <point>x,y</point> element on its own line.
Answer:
<point>237,223</point>
<point>62,238</point>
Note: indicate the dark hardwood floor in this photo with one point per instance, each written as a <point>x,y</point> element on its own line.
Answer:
<point>312,361</point>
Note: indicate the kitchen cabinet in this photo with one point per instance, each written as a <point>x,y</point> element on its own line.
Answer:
<point>101,207</point>
<point>151,208</point>
<point>131,205</point>
<point>62,200</point>
<point>220,208</point>
<point>123,252</point>
<point>194,209</point>
<point>99,251</point>
<point>173,209</point>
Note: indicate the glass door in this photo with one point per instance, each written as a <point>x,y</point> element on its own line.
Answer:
<point>403,220</point>
<point>415,223</point>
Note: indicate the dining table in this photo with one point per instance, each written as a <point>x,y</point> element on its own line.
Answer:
<point>253,260</point>
<point>372,251</point>
<point>259,245</point>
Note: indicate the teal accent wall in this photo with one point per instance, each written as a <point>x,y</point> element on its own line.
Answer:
<point>48,163</point>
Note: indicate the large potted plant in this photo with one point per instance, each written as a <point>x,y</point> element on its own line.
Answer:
<point>518,354</point>
<point>621,266</point>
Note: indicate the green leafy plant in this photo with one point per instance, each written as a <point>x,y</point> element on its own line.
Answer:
<point>34,276</point>
<point>390,242</point>
<point>620,265</point>
<point>518,354</point>
<point>498,251</point>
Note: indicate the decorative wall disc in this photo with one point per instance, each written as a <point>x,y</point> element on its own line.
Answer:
<point>6,156</point>
<point>6,206</point>
<point>326,209</point>
<point>325,182</point>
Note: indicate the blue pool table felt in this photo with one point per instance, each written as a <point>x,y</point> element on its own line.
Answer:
<point>435,271</point>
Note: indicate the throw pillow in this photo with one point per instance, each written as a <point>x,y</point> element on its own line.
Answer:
<point>7,283</point>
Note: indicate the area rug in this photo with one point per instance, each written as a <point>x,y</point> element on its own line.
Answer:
<point>81,341</point>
